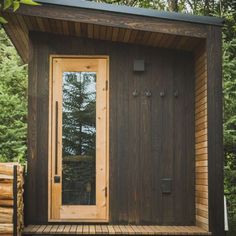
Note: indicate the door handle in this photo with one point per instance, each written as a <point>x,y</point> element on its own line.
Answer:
<point>56,139</point>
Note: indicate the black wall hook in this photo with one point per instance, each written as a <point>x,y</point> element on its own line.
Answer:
<point>135,93</point>
<point>176,93</point>
<point>162,93</point>
<point>148,93</point>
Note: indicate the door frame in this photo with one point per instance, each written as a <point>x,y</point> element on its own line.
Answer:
<point>50,153</point>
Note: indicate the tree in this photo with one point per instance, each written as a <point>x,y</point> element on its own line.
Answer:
<point>13,83</point>
<point>79,137</point>
<point>79,113</point>
<point>14,4</point>
<point>229,69</point>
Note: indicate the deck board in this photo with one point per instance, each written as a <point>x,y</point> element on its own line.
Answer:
<point>30,228</point>
<point>117,229</point>
<point>85,229</point>
<point>53,229</point>
<point>47,228</point>
<point>58,228</point>
<point>92,229</point>
<point>67,229</point>
<point>79,229</point>
<point>73,229</point>
<point>104,229</point>
<point>113,229</point>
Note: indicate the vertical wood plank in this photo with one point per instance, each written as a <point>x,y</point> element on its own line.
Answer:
<point>167,128</point>
<point>145,157</point>
<point>133,139</point>
<point>215,131</point>
<point>30,203</point>
<point>122,131</point>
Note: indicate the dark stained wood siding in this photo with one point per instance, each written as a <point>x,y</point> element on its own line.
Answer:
<point>36,195</point>
<point>215,132</point>
<point>150,137</point>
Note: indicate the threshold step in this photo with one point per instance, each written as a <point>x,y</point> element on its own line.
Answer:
<point>112,229</point>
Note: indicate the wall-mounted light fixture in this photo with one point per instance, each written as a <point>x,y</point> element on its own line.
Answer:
<point>139,66</point>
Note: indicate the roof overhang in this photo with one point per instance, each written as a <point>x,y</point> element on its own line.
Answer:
<point>107,22</point>
<point>208,20</point>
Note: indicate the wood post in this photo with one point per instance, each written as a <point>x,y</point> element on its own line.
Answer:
<point>11,199</point>
<point>15,201</point>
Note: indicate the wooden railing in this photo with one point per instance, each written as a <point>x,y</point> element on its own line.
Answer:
<point>11,199</point>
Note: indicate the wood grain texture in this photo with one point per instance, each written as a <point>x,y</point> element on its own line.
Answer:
<point>123,21</point>
<point>141,130</point>
<point>11,198</point>
<point>167,34</point>
<point>36,185</point>
<point>99,211</point>
<point>115,229</point>
<point>215,131</point>
<point>201,139</point>
<point>183,92</point>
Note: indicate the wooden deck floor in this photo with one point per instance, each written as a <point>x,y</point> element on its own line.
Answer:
<point>112,229</point>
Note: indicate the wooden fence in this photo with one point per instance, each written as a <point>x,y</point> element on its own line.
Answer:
<point>11,199</point>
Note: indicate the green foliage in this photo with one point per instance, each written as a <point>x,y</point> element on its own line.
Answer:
<point>13,80</point>
<point>229,72</point>
<point>154,4</point>
<point>229,66</point>
<point>29,2</point>
<point>2,20</point>
<point>7,4</point>
<point>15,4</point>
<point>79,112</point>
<point>79,137</point>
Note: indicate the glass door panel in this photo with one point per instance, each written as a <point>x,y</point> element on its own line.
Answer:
<point>79,143</point>
<point>79,138</point>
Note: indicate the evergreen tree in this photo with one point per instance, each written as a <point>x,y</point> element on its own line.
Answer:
<point>79,137</point>
<point>79,112</point>
<point>13,108</point>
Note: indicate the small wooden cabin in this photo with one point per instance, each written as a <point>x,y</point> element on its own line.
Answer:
<point>124,119</point>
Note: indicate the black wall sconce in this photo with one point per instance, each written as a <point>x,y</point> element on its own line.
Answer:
<point>139,66</point>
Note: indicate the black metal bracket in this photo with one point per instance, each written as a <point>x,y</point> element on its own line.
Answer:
<point>166,185</point>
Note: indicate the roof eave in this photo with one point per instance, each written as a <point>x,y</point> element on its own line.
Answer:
<point>207,20</point>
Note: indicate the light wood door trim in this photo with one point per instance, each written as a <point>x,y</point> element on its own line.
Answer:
<point>57,211</point>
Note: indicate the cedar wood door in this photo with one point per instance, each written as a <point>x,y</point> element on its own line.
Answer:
<point>78,166</point>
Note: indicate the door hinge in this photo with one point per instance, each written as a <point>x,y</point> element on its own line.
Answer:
<point>106,85</point>
<point>105,191</point>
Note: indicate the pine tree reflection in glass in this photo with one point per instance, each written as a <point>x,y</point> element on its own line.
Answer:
<point>79,138</point>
